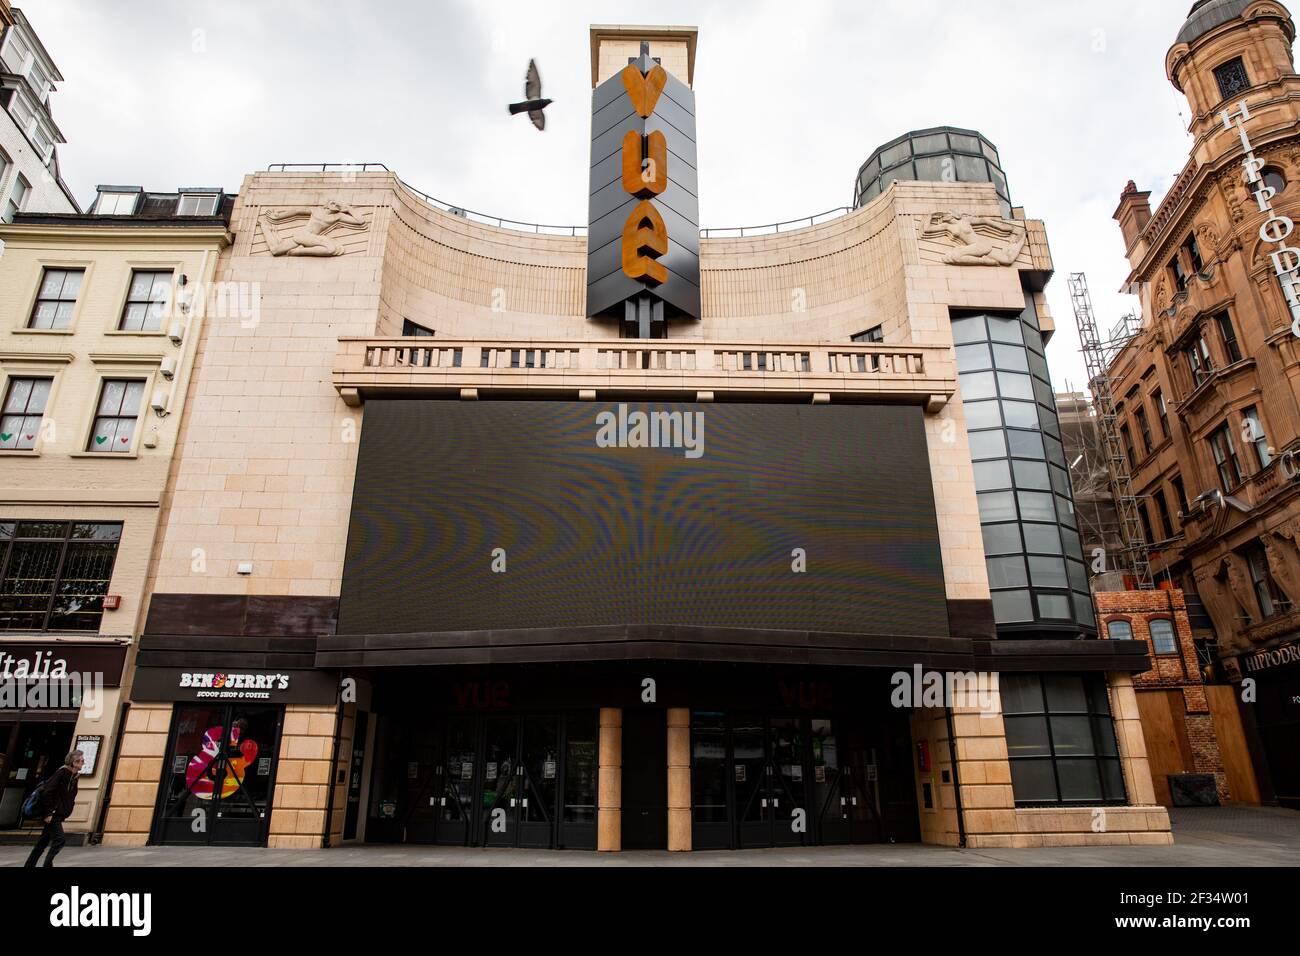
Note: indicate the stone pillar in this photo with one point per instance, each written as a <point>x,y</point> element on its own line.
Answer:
<point>139,772</point>
<point>303,777</point>
<point>1132,745</point>
<point>679,779</point>
<point>609,818</point>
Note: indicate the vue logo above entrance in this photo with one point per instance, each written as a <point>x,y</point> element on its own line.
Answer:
<point>645,174</point>
<point>643,239</point>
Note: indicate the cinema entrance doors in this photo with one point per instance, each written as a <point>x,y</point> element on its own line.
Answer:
<point>486,780</point>
<point>775,780</point>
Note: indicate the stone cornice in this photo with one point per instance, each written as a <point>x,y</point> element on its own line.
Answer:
<point>1190,201</point>
<point>19,235</point>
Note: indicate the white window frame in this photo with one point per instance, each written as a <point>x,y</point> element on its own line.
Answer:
<point>214,198</point>
<point>134,199</point>
<point>15,203</point>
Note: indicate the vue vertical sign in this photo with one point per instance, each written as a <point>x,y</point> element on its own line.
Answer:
<point>643,240</point>
<point>645,174</point>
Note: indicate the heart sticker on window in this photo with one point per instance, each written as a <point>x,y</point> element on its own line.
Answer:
<point>125,439</point>
<point>6,436</point>
<point>100,439</point>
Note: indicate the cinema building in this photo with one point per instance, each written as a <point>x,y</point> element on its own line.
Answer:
<point>1208,390</point>
<point>637,536</point>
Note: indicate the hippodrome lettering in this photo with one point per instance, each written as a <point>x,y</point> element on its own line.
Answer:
<point>1277,228</point>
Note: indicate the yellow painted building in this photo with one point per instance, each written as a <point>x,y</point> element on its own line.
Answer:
<point>100,318</point>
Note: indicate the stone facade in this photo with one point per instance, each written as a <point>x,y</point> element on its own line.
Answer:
<point>259,500</point>
<point>988,811</point>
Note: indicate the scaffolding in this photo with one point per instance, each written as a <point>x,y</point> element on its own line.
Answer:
<point>1094,505</point>
<point>1097,356</point>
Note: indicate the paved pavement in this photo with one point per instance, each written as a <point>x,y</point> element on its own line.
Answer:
<point>1204,837</point>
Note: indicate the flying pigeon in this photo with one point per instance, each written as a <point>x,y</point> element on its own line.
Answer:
<point>534,104</point>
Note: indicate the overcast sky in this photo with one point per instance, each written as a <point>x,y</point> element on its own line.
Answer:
<point>792,96</point>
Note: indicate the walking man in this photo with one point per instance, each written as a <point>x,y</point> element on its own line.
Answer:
<point>58,795</point>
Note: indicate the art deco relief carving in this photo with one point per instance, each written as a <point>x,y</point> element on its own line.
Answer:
<point>310,238</point>
<point>973,234</point>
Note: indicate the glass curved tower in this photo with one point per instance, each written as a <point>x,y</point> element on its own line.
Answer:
<point>942,154</point>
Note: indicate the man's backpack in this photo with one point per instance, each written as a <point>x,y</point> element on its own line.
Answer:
<point>32,805</point>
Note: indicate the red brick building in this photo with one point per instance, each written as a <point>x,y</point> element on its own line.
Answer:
<point>1184,721</point>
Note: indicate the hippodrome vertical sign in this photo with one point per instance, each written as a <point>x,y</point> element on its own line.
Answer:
<point>643,264</point>
<point>1277,228</point>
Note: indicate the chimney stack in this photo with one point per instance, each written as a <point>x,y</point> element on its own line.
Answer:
<point>1133,214</point>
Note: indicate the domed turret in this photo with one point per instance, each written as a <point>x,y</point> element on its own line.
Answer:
<point>1228,51</point>
<point>1205,15</point>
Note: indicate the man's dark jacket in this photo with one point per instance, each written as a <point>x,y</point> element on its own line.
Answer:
<point>59,794</point>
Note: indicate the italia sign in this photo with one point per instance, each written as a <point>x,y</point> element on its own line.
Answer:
<point>1277,228</point>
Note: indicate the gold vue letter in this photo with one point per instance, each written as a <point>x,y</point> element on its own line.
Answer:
<point>645,238</point>
<point>644,90</point>
<point>645,176</point>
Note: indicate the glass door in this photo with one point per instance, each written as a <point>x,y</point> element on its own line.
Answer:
<point>219,775</point>
<point>422,776</point>
<point>711,826</point>
<point>787,783</point>
<point>539,782</point>
<point>581,769</point>
<point>37,753</point>
<point>243,799</point>
<point>751,804</point>
<point>863,792</point>
<point>499,798</point>
<point>830,800</point>
<point>456,782</point>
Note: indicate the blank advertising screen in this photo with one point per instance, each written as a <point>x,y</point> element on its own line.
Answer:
<point>509,515</point>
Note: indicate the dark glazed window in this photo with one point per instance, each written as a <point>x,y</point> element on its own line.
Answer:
<point>1232,78</point>
<point>1275,180</point>
<point>1144,429</point>
<point>1162,410</point>
<point>415,330</point>
<point>1019,469</point>
<point>1271,599</point>
<point>1061,740</point>
<point>1225,459</point>
<point>54,574</point>
<point>1230,346</point>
